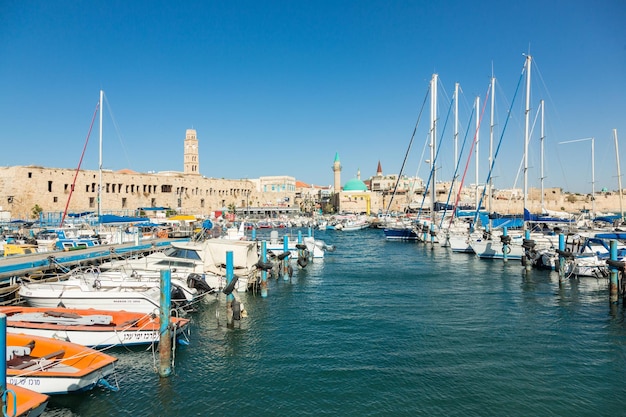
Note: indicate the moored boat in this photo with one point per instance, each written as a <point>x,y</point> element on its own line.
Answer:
<point>51,366</point>
<point>22,402</point>
<point>89,327</point>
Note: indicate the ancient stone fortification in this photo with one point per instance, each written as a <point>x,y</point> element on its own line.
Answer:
<point>23,187</point>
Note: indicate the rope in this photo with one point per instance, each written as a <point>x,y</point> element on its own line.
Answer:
<point>406,155</point>
<point>93,119</point>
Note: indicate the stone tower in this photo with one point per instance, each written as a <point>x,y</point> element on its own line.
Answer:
<point>337,171</point>
<point>192,164</point>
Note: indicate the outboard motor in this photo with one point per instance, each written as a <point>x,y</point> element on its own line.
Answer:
<point>198,282</point>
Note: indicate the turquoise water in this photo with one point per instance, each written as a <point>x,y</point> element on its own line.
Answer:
<point>389,328</point>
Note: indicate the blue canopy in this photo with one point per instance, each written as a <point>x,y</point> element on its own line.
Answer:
<point>111,218</point>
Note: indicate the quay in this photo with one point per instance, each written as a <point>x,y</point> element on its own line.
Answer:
<point>13,267</point>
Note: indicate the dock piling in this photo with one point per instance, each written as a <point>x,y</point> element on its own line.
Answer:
<point>559,266</point>
<point>263,272</point>
<point>165,337</point>
<point>613,288</point>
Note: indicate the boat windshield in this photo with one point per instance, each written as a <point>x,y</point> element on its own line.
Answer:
<point>182,253</point>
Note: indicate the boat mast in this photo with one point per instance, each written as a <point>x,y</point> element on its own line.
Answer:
<point>526,132</point>
<point>476,198</point>
<point>491,129</point>
<point>433,143</point>
<point>455,187</point>
<point>100,161</point>
<point>456,126</point>
<point>593,181</point>
<point>619,176</point>
<point>541,103</point>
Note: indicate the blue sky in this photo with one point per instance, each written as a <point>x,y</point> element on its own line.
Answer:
<point>277,87</point>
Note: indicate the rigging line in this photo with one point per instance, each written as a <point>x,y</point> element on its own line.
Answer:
<point>117,131</point>
<point>82,155</point>
<point>406,155</point>
<point>495,156</point>
<point>435,163</point>
<point>456,170</point>
<point>469,155</point>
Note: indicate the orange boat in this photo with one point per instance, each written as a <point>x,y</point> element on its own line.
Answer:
<point>22,402</point>
<point>89,327</point>
<point>51,366</point>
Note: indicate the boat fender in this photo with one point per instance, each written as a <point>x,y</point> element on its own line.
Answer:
<point>565,254</point>
<point>236,310</point>
<point>300,246</point>
<point>302,262</point>
<point>265,266</point>
<point>231,285</point>
<point>283,255</point>
<point>105,384</point>
<point>557,264</point>
<point>616,264</point>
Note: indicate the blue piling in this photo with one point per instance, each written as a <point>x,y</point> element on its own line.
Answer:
<point>614,279</point>
<point>253,234</point>
<point>165,337</point>
<point>286,260</point>
<point>432,234</point>
<point>561,270</point>
<point>310,231</point>
<point>3,363</point>
<point>229,278</point>
<point>505,246</point>
<point>527,237</point>
<point>425,229</point>
<point>264,272</point>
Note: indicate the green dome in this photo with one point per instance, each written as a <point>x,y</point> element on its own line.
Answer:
<point>355,184</point>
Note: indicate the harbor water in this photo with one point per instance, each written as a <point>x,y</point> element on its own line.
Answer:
<point>388,328</point>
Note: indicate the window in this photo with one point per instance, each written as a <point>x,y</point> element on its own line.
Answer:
<point>55,199</point>
<point>30,175</point>
<point>49,186</point>
<point>123,202</point>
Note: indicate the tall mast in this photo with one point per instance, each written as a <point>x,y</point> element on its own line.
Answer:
<point>491,129</point>
<point>476,146</point>
<point>526,132</point>
<point>100,160</point>
<point>619,176</point>
<point>542,104</point>
<point>593,181</point>
<point>433,144</point>
<point>456,126</point>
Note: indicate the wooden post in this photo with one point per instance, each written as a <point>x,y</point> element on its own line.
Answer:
<point>165,337</point>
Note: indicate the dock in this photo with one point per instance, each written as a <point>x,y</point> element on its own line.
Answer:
<point>14,267</point>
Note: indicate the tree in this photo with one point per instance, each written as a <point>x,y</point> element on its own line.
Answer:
<point>36,211</point>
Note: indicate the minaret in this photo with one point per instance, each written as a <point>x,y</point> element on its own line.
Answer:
<point>337,171</point>
<point>358,173</point>
<point>192,164</point>
<point>379,170</point>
